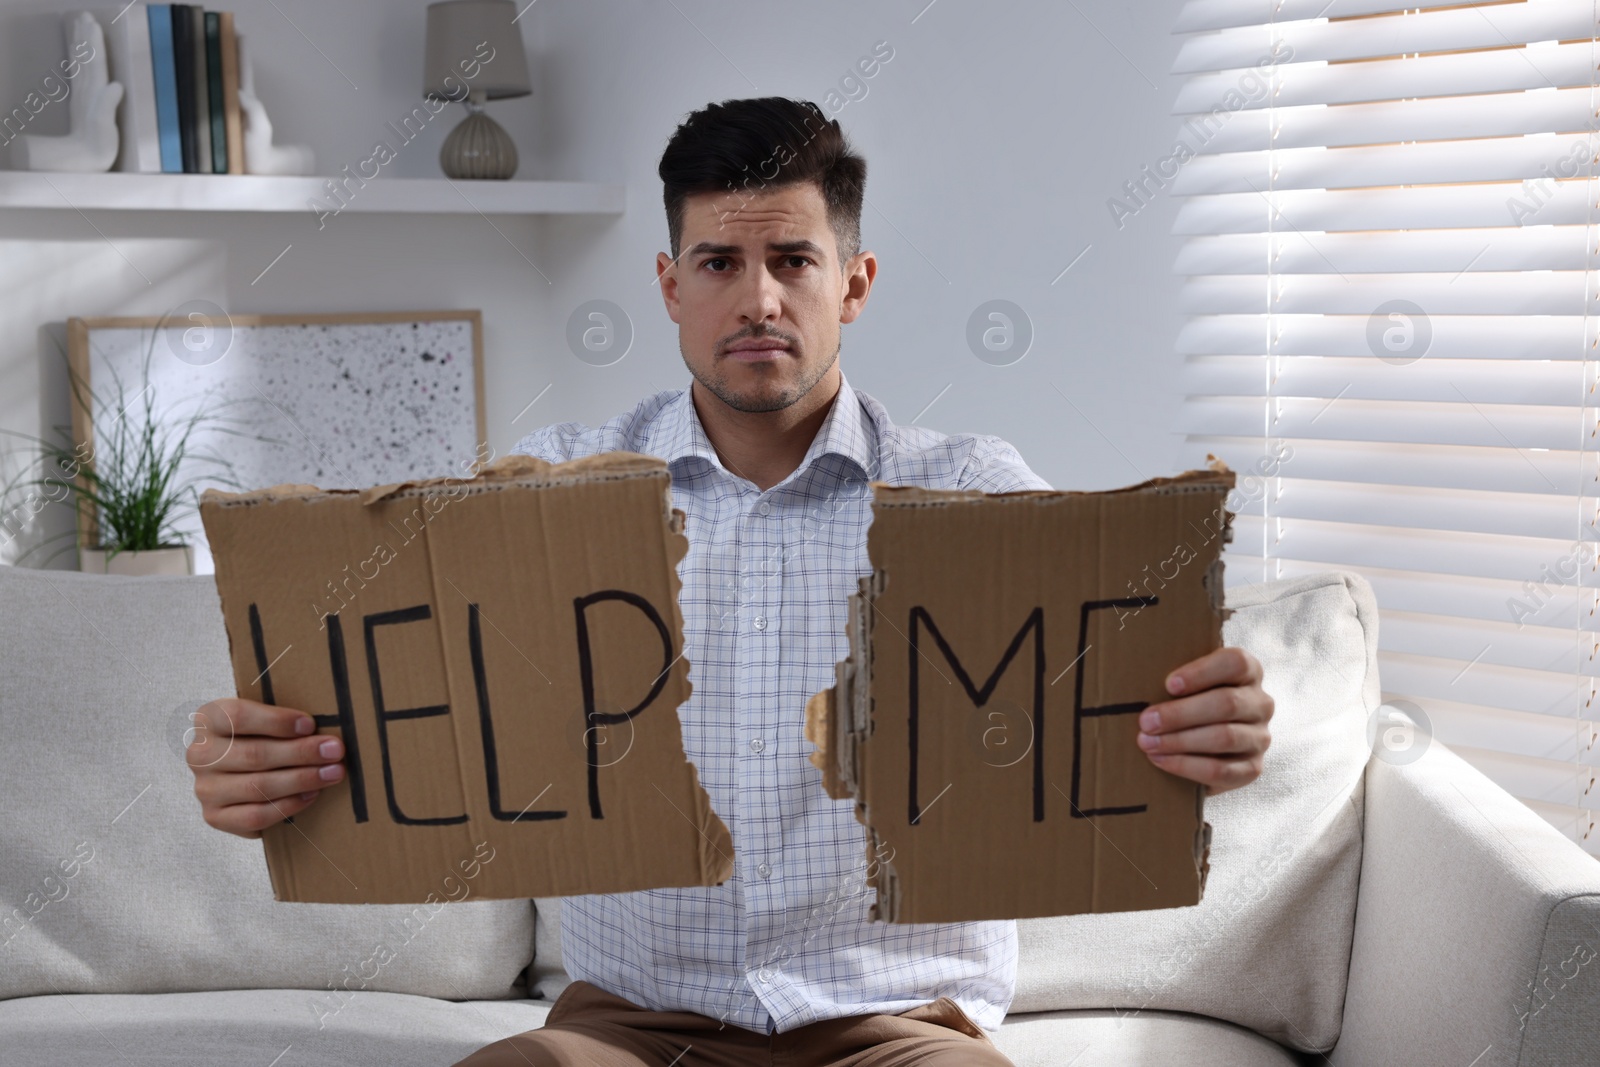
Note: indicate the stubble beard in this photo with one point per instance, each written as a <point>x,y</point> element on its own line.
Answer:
<point>770,398</point>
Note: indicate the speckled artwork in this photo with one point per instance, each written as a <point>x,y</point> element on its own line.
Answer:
<point>345,405</point>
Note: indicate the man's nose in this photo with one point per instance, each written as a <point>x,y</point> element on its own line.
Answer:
<point>761,299</point>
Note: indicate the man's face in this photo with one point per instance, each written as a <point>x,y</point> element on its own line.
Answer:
<point>758,294</point>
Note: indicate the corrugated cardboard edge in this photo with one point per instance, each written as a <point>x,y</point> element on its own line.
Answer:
<point>837,747</point>
<point>820,716</point>
<point>1214,585</point>
<point>1218,475</point>
<point>515,469</point>
<point>715,842</point>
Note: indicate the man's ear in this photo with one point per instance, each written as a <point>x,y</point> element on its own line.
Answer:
<point>859,273</point>
<point>667,278</point>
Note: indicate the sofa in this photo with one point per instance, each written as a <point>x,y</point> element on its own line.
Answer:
<point>1372,899</point>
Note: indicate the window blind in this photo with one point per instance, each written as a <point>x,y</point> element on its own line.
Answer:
<point>1390,253</point>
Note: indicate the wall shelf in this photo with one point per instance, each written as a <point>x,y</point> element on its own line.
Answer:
<point>119,191</point>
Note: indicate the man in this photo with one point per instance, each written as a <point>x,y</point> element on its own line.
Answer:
<point>770,452</point>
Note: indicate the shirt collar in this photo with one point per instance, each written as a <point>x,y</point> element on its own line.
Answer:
<point>678,435</point>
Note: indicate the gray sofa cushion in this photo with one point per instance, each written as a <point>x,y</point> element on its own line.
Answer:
<point>275,1027</point>
<point>258,1027</point>
<point>1269,946</point>
<point>111,882</point>
<point>1146,1039</point>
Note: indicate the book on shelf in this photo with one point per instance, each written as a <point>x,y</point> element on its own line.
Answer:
<point>183,66</point>
<point>233,123</point>
<point>202,91</point>
<point>166,87</point>
<point>219,126</point>
<point>128,40</point>
<point>178,65</point>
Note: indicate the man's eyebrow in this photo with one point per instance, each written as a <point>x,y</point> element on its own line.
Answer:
<point>709,248</point>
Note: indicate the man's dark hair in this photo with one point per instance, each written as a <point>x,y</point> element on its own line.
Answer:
<point>748,146</point>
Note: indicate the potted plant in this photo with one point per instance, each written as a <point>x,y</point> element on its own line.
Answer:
<point>130,483</point>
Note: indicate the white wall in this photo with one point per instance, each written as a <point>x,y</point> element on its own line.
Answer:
<point>994,137</point>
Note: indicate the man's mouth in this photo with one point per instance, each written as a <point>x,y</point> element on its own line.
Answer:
<point>764,351</point>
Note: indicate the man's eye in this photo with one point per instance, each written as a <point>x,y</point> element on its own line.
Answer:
<point>718,259</point>
<point>803,260</point>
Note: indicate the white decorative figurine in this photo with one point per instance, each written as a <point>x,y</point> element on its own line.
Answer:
<point>91,107</point>
<point>261,156</point>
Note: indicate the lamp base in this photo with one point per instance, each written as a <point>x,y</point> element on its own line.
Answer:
<point>478,149</point>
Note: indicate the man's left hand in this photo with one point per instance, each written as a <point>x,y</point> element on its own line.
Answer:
<point>1214,729</point>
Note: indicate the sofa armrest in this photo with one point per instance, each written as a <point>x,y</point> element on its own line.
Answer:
<point>1477,936</point>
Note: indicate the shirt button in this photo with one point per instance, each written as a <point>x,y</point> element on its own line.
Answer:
<point>764,975</point>
<point>757,745</point>
<point>764,508</point>
<point>761,622</point>
<point>764,870</point>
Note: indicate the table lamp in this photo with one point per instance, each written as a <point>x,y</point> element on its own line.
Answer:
<point>475,54</point>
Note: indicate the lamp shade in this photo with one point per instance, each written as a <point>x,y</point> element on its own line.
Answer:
<point>475,47</point>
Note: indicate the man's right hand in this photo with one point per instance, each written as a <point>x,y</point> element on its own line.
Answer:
<point>255,764</point>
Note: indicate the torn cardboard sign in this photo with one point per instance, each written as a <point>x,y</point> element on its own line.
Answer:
<point>502,656</point>
<point>985,720</point>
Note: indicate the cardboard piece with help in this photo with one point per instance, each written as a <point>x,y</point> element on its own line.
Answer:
<point>985,720</point>
<point>502,656</point>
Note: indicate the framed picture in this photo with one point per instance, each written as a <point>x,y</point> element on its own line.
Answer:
<point>339,401</point>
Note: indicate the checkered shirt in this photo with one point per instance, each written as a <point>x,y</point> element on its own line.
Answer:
<point>786,940</point>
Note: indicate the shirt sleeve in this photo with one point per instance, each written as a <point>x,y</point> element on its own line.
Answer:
<point>995,466</point>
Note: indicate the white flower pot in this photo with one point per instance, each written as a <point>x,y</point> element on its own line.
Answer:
<point>171,560</point>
